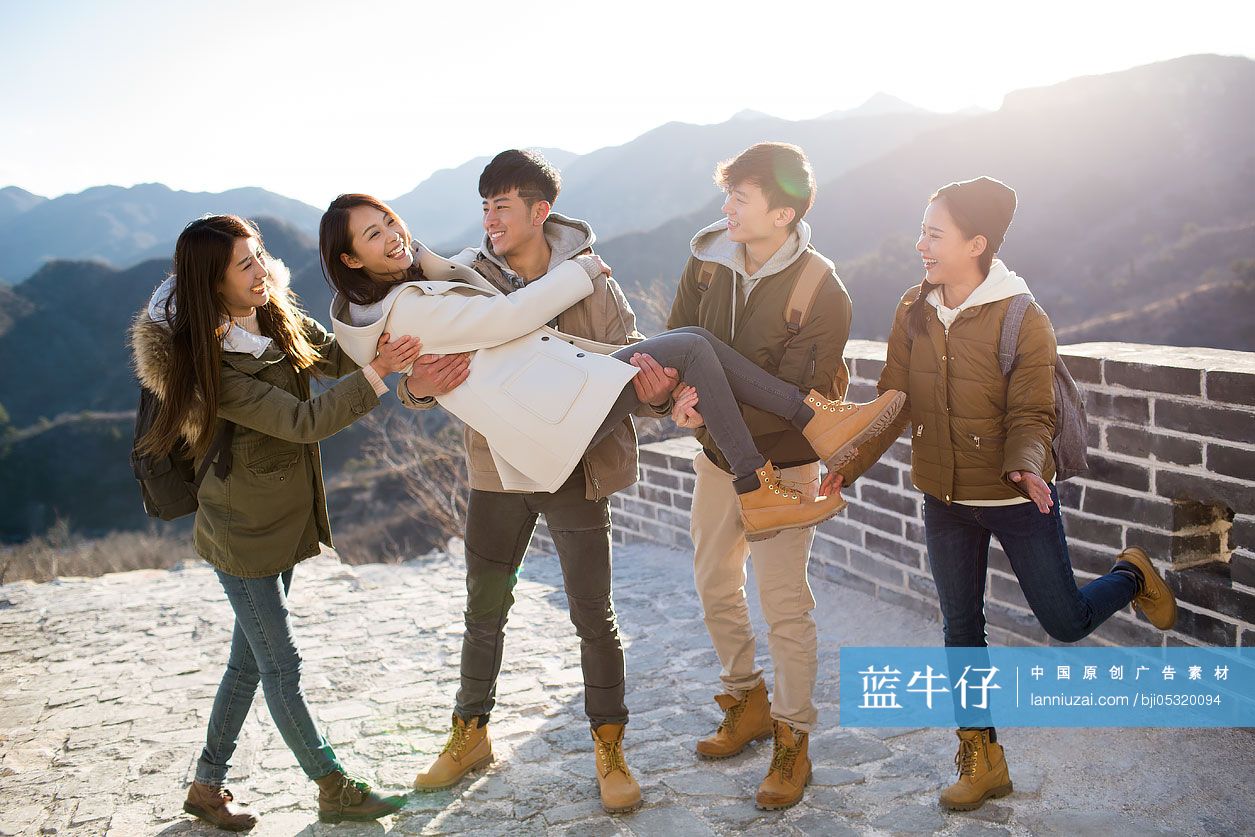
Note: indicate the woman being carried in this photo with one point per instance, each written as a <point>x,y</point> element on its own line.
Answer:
<point>541,397</point>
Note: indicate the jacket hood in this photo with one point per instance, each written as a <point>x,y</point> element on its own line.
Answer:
<point>567,237</point>
<point>1001,283</point>
<point>712,244</point>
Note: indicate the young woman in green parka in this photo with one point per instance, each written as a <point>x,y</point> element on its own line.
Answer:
<point>222,340</point>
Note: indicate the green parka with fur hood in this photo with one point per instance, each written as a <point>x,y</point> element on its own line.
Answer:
<point>271,511</point>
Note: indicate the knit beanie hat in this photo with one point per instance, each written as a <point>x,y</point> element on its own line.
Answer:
<point>984,204</point>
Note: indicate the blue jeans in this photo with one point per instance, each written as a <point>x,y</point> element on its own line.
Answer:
<point>262,650</point>
<point>1037,548</point>
<point>1035,544</point>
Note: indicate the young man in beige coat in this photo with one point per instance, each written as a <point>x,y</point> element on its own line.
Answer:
<point>739,284</point>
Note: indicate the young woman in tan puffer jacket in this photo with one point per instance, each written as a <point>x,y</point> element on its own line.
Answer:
<point>981,453</point>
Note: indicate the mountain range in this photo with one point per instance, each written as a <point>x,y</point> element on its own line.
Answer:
<point>1136,222</point>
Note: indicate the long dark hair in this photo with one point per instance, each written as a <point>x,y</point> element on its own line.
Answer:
<point>335,239</point>
<point>982,206</point>
<point>194,312</point>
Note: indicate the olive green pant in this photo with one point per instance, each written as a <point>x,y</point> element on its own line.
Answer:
<point>499,528</point>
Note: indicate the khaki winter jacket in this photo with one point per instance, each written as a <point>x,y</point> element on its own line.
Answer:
<point>811,359</point>
<point>271,511</point>
<point>970,425</point>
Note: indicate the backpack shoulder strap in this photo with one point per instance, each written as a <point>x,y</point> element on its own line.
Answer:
<point>1011,331</point>
<point>805,290</point>
<point>219,449</point>
<point>706,275</point>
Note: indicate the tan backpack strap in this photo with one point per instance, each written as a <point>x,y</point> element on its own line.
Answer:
<point>805,289</point>
<point>706,276</point>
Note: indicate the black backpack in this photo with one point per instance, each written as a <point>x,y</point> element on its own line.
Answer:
<point>169,483</point>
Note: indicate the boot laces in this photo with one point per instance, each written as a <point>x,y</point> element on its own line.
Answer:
<point>225,795</point>
<point>784,757</point>
<point>732,716</point>
<point>965,758</point>
<point>790,491</point>
<point>352,790</point>
<point>458,737</point>
<point>611,753</point>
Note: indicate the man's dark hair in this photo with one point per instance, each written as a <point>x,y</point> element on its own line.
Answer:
<point>781,170</point>
<point>528,171</point>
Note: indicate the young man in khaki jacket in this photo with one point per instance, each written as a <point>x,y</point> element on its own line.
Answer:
<point>740,285</point>
<point>523,240</point>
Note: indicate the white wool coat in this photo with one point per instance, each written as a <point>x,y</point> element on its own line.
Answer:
<point>536,394</point>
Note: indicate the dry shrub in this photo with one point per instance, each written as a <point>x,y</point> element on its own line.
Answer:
<point>61,553</point>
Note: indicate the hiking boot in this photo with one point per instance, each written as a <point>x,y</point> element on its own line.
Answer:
<point>790,770</point>
<point>982,767</point>
<point>839,427</point>
<point>775,506</point>
<point>619,791</point>
<point>342,797</point>
<point>216,806</point>
<point>1155,597</point>
<point>744,720</point>
<point>468,747</point>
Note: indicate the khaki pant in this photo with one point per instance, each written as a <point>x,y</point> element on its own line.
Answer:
<point>719,554</point>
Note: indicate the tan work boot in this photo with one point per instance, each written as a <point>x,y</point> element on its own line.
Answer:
<point>744,720</point>
<point>839,427</point>
<point>468,747</point>
<point>216,806</point>
<point>790,771</point>
<point>776,506</point>
<point>1156,598</point>
<point>620,793</point>
<point>341,797</point>
<point>982,767</point>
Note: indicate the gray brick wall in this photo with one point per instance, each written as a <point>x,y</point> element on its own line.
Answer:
<point>1172,455</point>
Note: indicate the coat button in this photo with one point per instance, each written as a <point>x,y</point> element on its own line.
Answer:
<point>546,337</point>
<point>579,354</point>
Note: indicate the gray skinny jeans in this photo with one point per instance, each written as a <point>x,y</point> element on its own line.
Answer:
<point>724,378</point>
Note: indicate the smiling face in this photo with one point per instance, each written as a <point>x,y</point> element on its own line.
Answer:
<point>949,257</point>
<point>244,286</point>
<point>751,218</point>
<point>511,224</point>
<point>379,244</point>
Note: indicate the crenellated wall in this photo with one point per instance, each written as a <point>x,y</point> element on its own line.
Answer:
<point>1172,456</point>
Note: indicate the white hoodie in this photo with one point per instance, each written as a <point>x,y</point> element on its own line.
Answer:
<point>1001,283</point>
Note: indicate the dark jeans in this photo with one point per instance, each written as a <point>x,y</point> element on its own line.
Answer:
<point>1035,544</point>
<point>262,649</point>
<point>724,379</point>
<point>499,527</point>
<point>1037,548</point>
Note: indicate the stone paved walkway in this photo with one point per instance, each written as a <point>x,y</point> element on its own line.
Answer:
<point>106,685</point>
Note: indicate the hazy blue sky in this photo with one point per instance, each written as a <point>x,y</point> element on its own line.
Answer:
<point>313,98</point>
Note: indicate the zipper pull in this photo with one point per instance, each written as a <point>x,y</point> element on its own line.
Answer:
<point>919,431</point>
<point>975,439</point>
<point>810,375</point>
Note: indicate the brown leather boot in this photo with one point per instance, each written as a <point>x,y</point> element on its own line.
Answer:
<point>216,806</point>
<point>341,797</point>
<point>1156,598</point>
<point>839,427</point>
<point>468,747</point>
<point>620,792</point>
<point>744,720</point>
<point>982,767</point>
<point>776,506</point>
<point>790,770</point>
